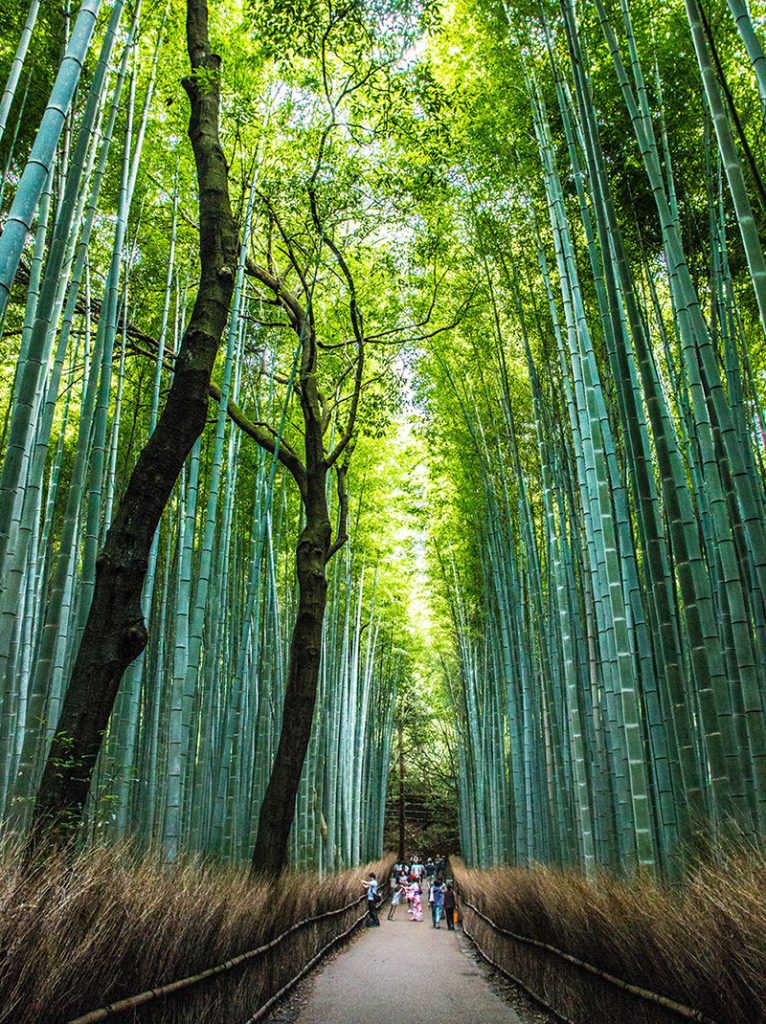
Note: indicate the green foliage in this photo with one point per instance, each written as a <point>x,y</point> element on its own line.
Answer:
<point>293,29</point>
<point>205,79</point>
<point>427,144</point>
<point>40,69</point>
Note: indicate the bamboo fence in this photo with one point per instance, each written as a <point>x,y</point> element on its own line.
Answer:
<point>576,991</point>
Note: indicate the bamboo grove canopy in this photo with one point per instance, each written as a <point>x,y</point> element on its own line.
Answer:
<point>516,250</point>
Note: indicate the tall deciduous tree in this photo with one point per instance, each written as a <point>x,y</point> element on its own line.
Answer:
<point>315,548</point>
<point>115,632</point>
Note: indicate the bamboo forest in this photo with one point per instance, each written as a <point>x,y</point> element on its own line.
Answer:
<point>382,501</point>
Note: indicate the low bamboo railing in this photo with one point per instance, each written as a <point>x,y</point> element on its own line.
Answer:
<point>575,991</point>
<point>172,988</point>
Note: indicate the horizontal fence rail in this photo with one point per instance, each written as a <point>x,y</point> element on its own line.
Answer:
<point>150,995</point>
<point>663,1004</point>
<point>260,1014</point>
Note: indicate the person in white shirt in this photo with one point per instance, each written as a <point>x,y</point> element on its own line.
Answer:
<point>396,897</point>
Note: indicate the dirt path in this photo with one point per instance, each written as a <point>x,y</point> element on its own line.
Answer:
<point>405,973</point>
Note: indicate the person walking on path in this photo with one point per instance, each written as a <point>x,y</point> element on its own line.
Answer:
<point>405,975</point>
<point>449,905</point>
<point>371,885</point>
<point>396,897</point>
<point>416,907</point>
<point>430,870</point>
<point>435,898</point>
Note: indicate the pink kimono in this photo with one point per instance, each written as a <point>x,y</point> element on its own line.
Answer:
<point>416,908</point>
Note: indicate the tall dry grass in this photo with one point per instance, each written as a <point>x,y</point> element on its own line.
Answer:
<point>76,936</point>
<point>702,944</point>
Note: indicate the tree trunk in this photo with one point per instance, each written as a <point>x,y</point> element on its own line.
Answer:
<point>278,807</point>
<point>115,632</point>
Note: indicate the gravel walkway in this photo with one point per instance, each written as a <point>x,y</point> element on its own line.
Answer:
<point>405,972</point>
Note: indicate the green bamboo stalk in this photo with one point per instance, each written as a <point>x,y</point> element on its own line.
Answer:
<point>17,65</point>
<point>37,353</point>
<point>744,23</point>
<point>40,160</point>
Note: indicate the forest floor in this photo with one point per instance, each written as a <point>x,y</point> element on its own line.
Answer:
<point>408,972</point>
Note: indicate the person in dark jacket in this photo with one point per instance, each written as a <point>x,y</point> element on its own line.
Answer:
<point>448,905</point>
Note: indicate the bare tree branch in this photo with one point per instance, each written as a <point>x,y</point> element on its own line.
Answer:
<point>357,327</point>
<point>341,537</point>
<point>263,433</point>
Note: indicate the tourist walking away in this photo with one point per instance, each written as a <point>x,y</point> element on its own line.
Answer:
<point>371,885</point>
<point>416,905</point>
<point>449,905</point>
<point>435,898</point>
<point>396,897</point>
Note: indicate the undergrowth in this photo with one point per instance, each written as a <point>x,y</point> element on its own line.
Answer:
<point>702,943</point>
<point>76,936</point>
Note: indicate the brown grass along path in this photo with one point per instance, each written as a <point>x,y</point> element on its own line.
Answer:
<point>75,937</point>
<point>631,950</point>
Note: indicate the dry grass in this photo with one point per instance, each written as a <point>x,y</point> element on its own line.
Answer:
<point>75,937</point>
<point>702,944</point>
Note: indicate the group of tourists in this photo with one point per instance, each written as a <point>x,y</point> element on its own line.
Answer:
<point>416,880</point>
<point>412,882</point>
